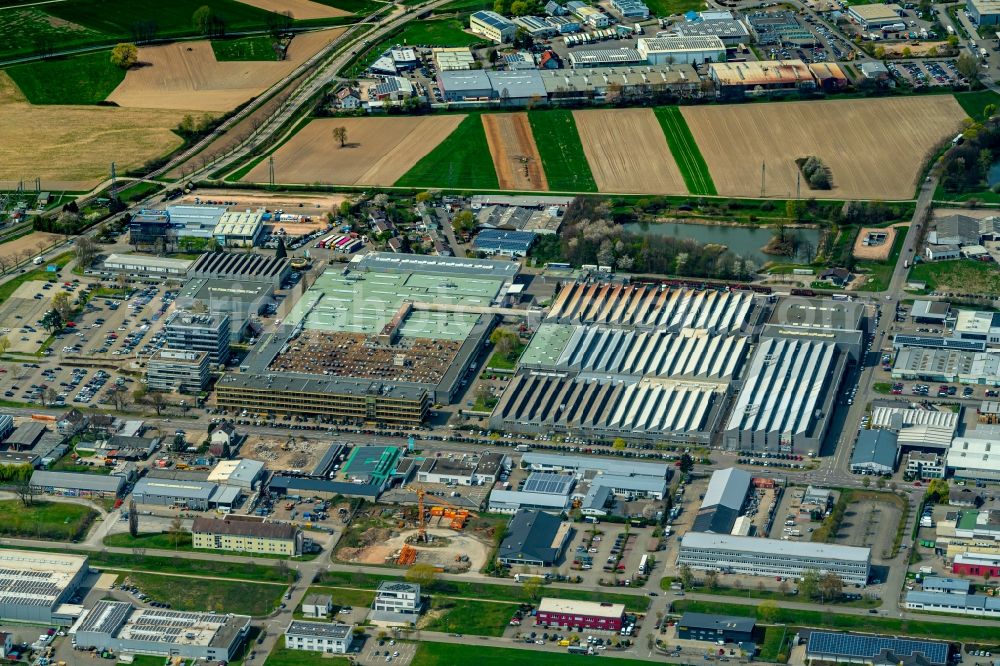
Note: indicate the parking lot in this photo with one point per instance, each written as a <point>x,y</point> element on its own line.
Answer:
<point>927,73</point>
<point>387,651</point>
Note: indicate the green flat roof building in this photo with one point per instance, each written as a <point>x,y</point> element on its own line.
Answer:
<point>372,465</point>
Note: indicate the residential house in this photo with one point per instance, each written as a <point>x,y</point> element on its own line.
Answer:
<point>317,605</point>
<point>72,422</point>
<point>348,99</point>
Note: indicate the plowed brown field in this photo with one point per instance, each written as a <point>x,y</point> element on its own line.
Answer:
<point>299,9</point>
<point>515,155</point>
<point>72,147</point>
<point>378,151</point>
<point>186,75</point>
<point>875,148</point>
<point>627,152</point>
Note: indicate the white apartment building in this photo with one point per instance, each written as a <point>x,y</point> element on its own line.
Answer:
<point>319,637</point>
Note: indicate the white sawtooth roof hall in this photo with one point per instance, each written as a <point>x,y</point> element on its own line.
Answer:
<point>882,417</point>
<point>783,386</point>
<point>707,540</point>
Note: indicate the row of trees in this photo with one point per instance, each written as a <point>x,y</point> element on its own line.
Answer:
<point>812,585</point>
<point>966,167</point>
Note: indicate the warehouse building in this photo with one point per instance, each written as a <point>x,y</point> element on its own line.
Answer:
<point>947,365</point>
<point>684,50</point>
<point>984,12</point>
<point>927,342</point>
<point>458,58</point>
<point>195,221</point>
<point>145,267</point>
<point>468,470</point>
<point>737,80</point>
<point>497,242</point>
<point>631,9</point>
<point>77,484</point>
<point>323,488</point>
<point>242,302</point>
<point>319,637</point>
<point>197,495</point>
<point>682,411</point>
<point>875,16</point>
<point>240,229</point>
<point>780,28</point>
<point>542,491</point>
<point>596,352</point>
<point>820,320</point>
<point>947,585</point>
<point>586,467</point>
<point>787,397</point>
<point>930,312</point>
<point>874,650</point>
<point>580,614</point>
<point>971,564</point>
<point>246,534</point>
<point>178,371</point>
<point>723,502</point>
<point>122,628</point>
<point>875,452</point>
<point>715,628</point>
<point>976,456</point>
<point>243,473</point>
<point>493,26</point>
<point>773,557</point>
<point>206,332</point>
<point>731,31</point>
<point>646,306</point>
<point>36,586</point>
<point>534,538</point>
<point>978,326</point>
<point>241,267</point>
<point>977,605</point>
<point>609,57</point>
<point>629,82</point>
<point>923,429</point>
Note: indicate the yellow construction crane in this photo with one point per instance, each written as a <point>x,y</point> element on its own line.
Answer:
<point>421,525</point>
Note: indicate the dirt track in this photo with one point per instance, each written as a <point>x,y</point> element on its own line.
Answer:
<point>300,10</point>
<point>186,75</point>
<point>627,152</point>
<point>511,141</point>
<point>874,148</point>
<point>72,147</point>
<point>379,150</point>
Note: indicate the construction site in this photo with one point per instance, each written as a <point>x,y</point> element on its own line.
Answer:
<point>284,453</point>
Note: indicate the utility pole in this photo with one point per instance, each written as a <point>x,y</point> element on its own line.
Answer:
<point>763,169</point>
<point>270,169</point>
<point>798,185</point>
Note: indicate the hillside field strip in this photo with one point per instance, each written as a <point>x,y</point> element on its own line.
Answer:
<point>627,152</point>
<point>462,160</point>
<point>378,151</point>
<point>515,156</point>
<point>558,142</point>
<point>72,147</point>
<point>685,150</point>
<point>874,148</point>
<point>299,9</point>
<point>187,75</point>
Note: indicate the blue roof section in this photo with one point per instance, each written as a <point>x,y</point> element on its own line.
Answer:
<point>938,343</point>
<point>868,647</point>
<point>497,239</point>
<point>492,19</point>
<point>876,446</point>
<point>941,583</point>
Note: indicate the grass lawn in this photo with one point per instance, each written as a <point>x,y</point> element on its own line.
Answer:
<point>974,102</point>
<point>685,151</point>
<point>247,48</point>
<point>66,464</point>
<point>58,521</point>
<point>462,160</point>
<point>137,191</point>
<point>438,32</point>
<point>361,7</point>
<point>670,7</point>
<point>163,541</point>
<point>774,639</point>
<point>965,276</point>
<point>500,362</point>
<point>282,656</point>
<point>221,596</point>
<point>882,387</point>
<point>558,142</point>
<point>881,271</point>
<point>872,623</point>
<point>983,196</point>
<point>82,79</point>
<point>478,618</point>
<point>343,596</point>
<point>193,568</point>
<point>449,654</point>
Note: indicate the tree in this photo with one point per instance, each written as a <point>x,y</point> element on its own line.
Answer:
<point>176,531</point>
<point>967,67</point>
<point>4,344</point>
<point>124,55</point>
<point>619,444</point>
<point>907,52</point>
<point>119,397</point>
<point>464,222</point>
<point>52,321</point>
<point>531,587</point>
<point>767,612</point>
<point>157,401</point>
<point>49,396</point>
<point>989,111</point>
<point>711,579</point>
<point>809,583</point>
<point>880,52</point>
<point>26,492</point>
<point>794,210</point>
<point>421,573</point>
<point>952,41</point>
<point>133,519</point>
<point>201,19</point>
<point>687,576</point>
<point>340,134</point>
<point>687,463</point>
<point>62,305</point>
<point>86,251</point>
<point>830,586</point>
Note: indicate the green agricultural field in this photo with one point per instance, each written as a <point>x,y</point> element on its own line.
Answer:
<point>82,79</point>
<point>462,160</point>
<point>963,276</point>
<point>449,654</point>
<point>463,616</point>
<point>194,568</point>
<point>433,32</point>
<point>558,142</point>
<point>57,521</point>
<point>29,30</point>
<point>682,145</point>
<point>248,48</point>
<point>221,596</point>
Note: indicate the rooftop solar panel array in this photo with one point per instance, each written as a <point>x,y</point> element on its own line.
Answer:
<point>867,647</point>
<point>548,483</point>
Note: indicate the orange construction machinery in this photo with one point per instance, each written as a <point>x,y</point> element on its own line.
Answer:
<point>458,515</point>
<point>407,556</point>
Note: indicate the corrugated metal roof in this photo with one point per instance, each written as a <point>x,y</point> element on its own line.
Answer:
<point>776,547</point>
<point>727,487</point>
